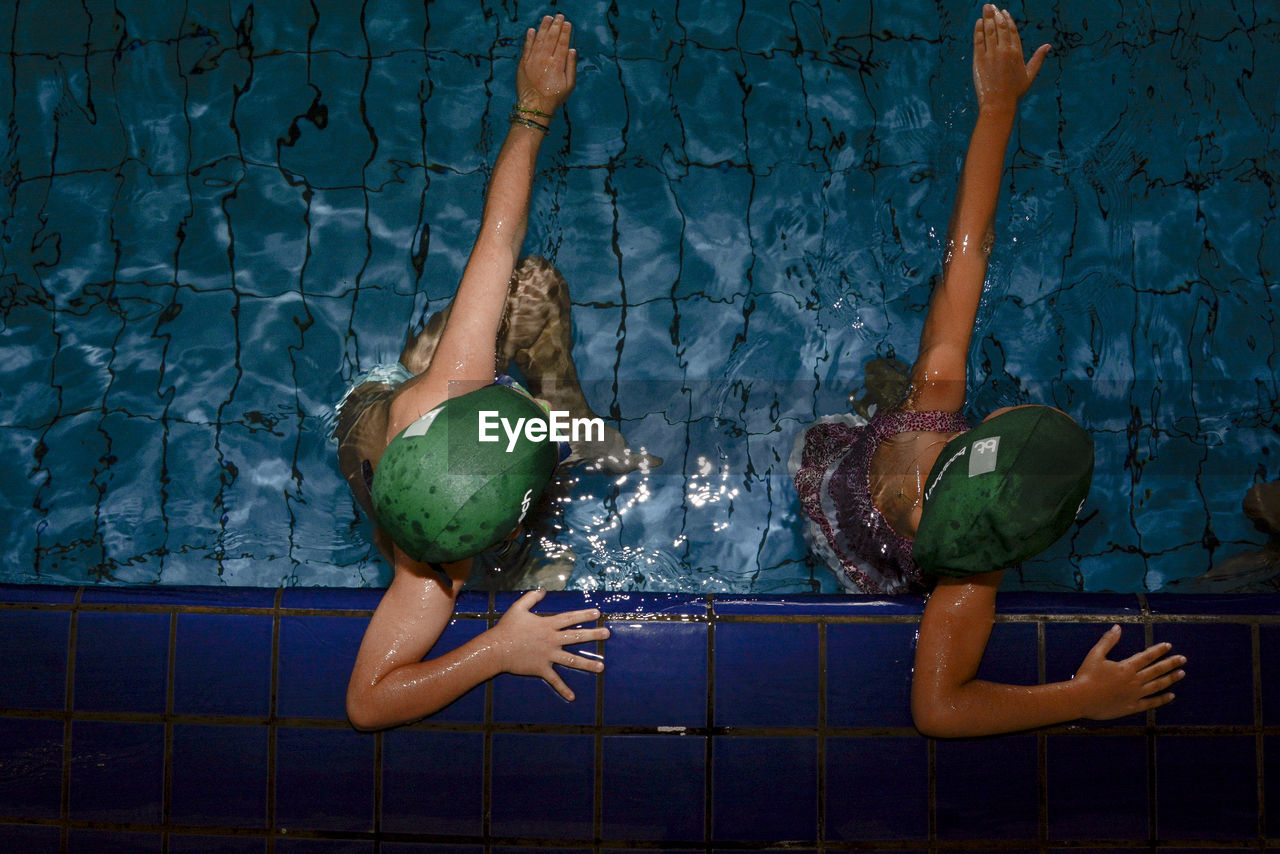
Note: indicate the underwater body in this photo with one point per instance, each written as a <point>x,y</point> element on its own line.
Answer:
<point>217,215</point>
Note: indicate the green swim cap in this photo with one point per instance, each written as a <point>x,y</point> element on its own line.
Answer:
<point>1002,492</point>
<point>442,495</point>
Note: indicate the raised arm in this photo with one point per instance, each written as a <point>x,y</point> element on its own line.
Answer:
<point>999,80</point>
<point>465,355</point>
<point>949,701</point>
<point>391,684</point>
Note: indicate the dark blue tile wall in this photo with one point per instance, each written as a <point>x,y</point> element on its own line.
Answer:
<point>213,721</point>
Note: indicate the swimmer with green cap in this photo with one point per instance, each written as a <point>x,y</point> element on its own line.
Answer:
<point>915,498</point>
<point>412,448</point>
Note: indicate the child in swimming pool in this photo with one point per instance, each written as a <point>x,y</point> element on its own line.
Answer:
<point>431,525</point>
<point>916,493</point>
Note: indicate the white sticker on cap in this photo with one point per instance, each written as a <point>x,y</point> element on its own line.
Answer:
<point>983,458</point>
<point>423,424</point>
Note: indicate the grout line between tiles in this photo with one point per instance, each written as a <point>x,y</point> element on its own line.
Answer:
<point>166,795</point>
<point>272,727</point>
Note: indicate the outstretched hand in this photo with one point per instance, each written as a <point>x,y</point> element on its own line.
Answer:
<point>1113,689</point>
<point>999,76</point>
<point>548,67</point>
<point>530,644</point>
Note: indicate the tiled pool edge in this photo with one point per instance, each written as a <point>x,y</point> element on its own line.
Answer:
<point>715,699</point>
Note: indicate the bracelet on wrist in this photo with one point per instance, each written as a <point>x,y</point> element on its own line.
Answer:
<point>518,119</point>
<point>531,111</point>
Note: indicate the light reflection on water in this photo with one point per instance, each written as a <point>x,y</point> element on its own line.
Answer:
<point>215,220</point>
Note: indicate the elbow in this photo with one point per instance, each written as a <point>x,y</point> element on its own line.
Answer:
<point>929,721</point>
<point>362,710</point>
<point>935,714</point>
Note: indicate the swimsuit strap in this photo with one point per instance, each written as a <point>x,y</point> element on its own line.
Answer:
<point>905,421</point>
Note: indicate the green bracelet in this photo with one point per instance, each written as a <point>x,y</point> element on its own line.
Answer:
<point>532,112</point>
<point>529,123</point>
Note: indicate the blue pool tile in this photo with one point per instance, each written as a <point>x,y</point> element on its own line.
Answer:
<point>433,782</point>
<point>316,657</point>
<point>766,674</point>
<point>869,674</point>
<point>177,596</point>
<point>820,606</point>
<point>31,838</point>
<point>655,674</point>
<point>324,846</point>
<point>764,789</point>
<point>30,768</point>
<point>1012,655</point>
<point>469,708</point>
<point>429,848</point>
<point>1271,771</point>
<point>38,594</point>
<point>112,842</point>
<point>1067,644</point>
<point>117,771</point>
<point>877,789</point>
<point>33,659</point>
<point>1269,665</point>
<point>219,776</point>
<point>1165,604</point>
<point>555,602</point>
<point>1112,604</point>
<point>324,779</point>
<point>981,799</point>
<point>122,662</point>
<point>1097,787</point>
<point>1219,684</point>
<point>184,844</point>
<point>222,665</point>
<point>559,766</point>
<point>654,788</point>
<point>622,605</point>
<point>531,700</point>
<point>331,598</point>
<point>1225,807</point>
<point>472,602</point>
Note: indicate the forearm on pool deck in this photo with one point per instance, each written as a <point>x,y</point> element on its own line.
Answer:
<point>413,691</point>
<point>390,683</point>
<point>947,700</point>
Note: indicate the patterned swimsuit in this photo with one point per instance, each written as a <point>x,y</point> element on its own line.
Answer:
<point>833,479</point>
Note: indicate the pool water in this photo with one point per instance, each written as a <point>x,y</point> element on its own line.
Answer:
<point>216,214</point>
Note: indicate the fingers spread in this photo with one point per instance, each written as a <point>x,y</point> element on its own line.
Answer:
<point>1162,666</point>
<point>1163,682</point>
<point>528,600</point>
<point>1037,60</point>
<point>578,662</point>
<point>573,618</point>
<point>1148,655</point>
<point>1106,643</point>
<point>553,679</point>
<point>583,636</point>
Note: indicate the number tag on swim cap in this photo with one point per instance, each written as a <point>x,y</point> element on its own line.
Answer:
<point>982,458</point>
